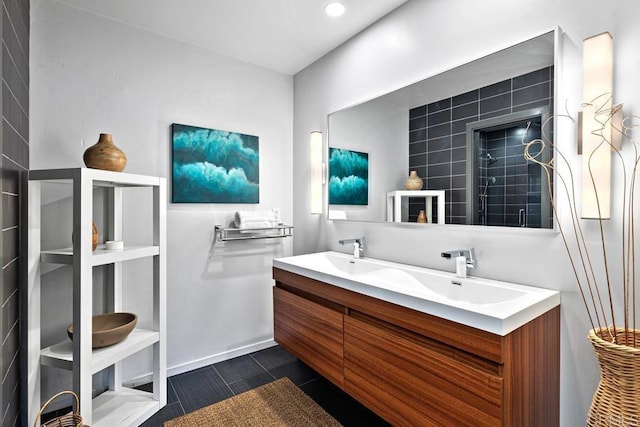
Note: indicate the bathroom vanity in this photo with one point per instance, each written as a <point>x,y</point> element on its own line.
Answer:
<point>468,352</point>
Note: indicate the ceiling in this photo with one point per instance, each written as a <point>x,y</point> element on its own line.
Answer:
<point>282,35</point>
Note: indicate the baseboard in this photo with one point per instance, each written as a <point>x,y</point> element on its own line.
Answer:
<point>205,361</point>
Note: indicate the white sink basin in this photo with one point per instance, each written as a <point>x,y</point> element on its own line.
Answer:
<point>490,305</point>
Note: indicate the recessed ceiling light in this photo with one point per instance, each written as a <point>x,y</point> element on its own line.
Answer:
<point>334,9</point>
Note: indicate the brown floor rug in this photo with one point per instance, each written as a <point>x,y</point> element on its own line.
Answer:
<point>279,403</point>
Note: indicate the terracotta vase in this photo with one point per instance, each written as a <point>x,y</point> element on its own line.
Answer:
<point>95,236</point>
<point>105,155</point>
<point>422,218</point>
<point>616,401</point>
<point>414,182</point>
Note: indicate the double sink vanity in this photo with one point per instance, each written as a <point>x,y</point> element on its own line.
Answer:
<point>420,346</point>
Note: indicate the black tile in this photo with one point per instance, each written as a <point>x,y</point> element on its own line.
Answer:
<point>169,412</point>
<point>200,388</point>
<point>532,78</point>
<point>239,368</point>
<point>251,382</point>
<point>439,157</point>
<point>273,357</point>
<point>459,154</point>
<point>458,168</point>
<point>9,281</point>
<point>438,144</point>
<point>438,183</point>
<point>439,105</point>
<point>460,126</point>
<point>418,111</point>
<point>465,98</point>
<point>10,176</point>
<point>536,104</point>
<point>495,103</point>
<point>14,80</point>
<point>418,135</point>
<point>443,169</point>
<point>418,123</point>
<point>298,372</point>
<point>420,171</point>
<point>417,160</point>
<point>495,89</point>
<point>458,141</point>
<point>341,406</point>
<point>439,130</point>
<point>438,118</point>
<point>496,113</point>
<point>465,111</point>
<point>458,209</point>
<point>457,220</point>
<point>531,94</point>
<point>9,245</point>
<point>417,147</point>
<point>9,211</point>
<point>458,181</point>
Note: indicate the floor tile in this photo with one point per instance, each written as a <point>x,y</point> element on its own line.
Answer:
<point>171,394</point>
<point>238,369</point>
<point>252,382</point>
<point>199,388</point>
<point>273,357</point>
<point>167,413</point>
<point>297,372</point>
<point>348,411</point>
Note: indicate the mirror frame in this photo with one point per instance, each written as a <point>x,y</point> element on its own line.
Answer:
<point>556,34</point>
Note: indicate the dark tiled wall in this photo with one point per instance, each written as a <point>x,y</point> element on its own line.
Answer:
<point>437,133</point>
<point>14,141</point>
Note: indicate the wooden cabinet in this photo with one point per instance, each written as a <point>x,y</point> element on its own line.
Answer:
<point>412,368</point>
<point>310,330</point>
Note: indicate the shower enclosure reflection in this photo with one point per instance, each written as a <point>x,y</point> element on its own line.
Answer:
<point>507,188</point>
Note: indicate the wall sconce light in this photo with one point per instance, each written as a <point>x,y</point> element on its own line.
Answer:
<point>317,172</point>
<point>597,90</point>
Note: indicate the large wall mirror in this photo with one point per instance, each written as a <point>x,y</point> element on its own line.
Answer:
<point>462,132</point>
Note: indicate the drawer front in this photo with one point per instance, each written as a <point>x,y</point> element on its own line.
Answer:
<point>408,383</point>
<point>310,331</point>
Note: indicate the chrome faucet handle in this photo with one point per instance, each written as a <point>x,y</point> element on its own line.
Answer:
<point>469,254</point>
<point>361,241</point>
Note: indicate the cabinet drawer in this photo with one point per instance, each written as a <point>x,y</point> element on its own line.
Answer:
<point>408,383</point>
<point>312,332</point>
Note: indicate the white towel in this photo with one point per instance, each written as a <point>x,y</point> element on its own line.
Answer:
<point>257,218</point>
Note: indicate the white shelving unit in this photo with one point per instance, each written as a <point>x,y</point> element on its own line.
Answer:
<point>398,204</point>
<point>118,406</point>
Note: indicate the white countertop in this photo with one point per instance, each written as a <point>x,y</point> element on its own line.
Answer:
<point>490,305</point>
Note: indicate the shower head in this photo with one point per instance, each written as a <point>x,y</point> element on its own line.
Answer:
<point>491,180</point>
<point>490,159</point>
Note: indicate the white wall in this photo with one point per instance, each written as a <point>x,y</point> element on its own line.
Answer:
<point>91,75</point>
<point>381,130</point>
<point>419,39</point>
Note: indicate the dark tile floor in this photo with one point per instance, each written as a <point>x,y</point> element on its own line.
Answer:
<point>205,386</point>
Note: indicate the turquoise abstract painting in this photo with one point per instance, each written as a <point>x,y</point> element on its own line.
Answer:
<point>214,166</point>
<point>348,177</point>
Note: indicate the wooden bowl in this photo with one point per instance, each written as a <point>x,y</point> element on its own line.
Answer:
<point>109,329</point>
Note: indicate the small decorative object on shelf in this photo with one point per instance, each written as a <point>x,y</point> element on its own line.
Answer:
<point>414,182</point>
<point>422,218</point>
<point>95,236</point>
<point>109,329</point>
<point>105,155</point>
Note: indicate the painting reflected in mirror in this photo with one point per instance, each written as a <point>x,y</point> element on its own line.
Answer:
<point>463,131</point>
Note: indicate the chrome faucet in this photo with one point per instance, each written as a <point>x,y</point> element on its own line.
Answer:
<point>470,259</point>
<point>359,243</point>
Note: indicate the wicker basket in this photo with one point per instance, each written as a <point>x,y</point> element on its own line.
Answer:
<point>616,401</point>
<point>72,419</point>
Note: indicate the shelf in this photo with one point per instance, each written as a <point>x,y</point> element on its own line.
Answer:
<point>226,234</point>
<point>100,178</point>
<point>61,355</point>
<point>398,207</point>
<point>125,407</point>
<point>100,256</point>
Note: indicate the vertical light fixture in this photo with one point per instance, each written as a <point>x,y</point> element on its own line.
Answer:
<point>316,172</point>
<point>597,90</point>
